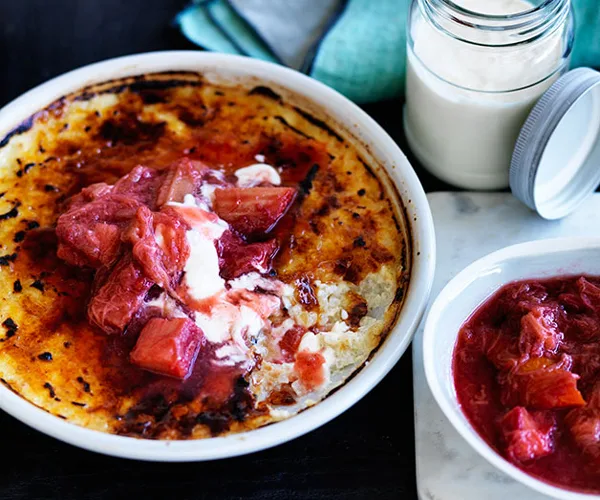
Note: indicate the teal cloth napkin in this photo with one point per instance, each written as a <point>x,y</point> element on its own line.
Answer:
<point>354,46</point>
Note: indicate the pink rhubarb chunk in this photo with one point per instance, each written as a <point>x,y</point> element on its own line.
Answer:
<point>118,297</point>
<point>253,211</point>
<point>168,346</point>
<point>526,437</point>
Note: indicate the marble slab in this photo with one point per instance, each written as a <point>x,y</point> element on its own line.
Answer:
<point>469,226</point>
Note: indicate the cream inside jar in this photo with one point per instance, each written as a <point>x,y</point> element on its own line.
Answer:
<point>475,70</point>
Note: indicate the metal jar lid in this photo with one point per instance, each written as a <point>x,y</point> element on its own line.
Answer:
<point>556,162</point>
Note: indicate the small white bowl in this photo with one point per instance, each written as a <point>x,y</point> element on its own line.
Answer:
<point>400,175</point>
<point>464,294</point>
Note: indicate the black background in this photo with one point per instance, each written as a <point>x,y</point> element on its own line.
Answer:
<point>368,452</point>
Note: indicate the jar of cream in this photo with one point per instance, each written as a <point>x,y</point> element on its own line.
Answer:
<point>475,70</point>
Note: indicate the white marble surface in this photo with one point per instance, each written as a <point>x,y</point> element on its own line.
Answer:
<point>469,226</point>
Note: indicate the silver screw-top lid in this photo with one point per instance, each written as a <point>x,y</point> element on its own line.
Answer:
<point>556,162</point>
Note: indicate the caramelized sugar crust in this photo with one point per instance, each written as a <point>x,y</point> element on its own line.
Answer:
<point>342,227</point>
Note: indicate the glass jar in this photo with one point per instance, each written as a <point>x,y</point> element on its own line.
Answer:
<point>475,69</point>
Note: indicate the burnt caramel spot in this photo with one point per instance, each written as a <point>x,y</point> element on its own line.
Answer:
<point>283,121</point>
<point>305,293</point>
<point>330,184</point>
<point>144,85</point>
<point>11,214</point>
<point>20,129</point>
<point>307,183</point>
<point>191,117</point>
<point>359,242</point>
<point>283,397</point>
<point>323,211</point>
<point>368,167</point>
<point>17,287</point>
<point>265,92</point>
<point>151,97</point>
<point>19,236</point>
<point>381,254</point>
<point>86,385</point>
<point>333,202</point>
<point>129,130</point>
<point>148,89</point>
<point>315,226</point>
<point>353,273</point>
<point>218,423</point>
<point>45,356</point>
<point>40,243</point>
<point>38,284</point>
<point>341,266</point>
<point>10,324</point>
<point>357,311</point>
<point>5,260</point>
<point>164,409</point>
<point>48,386</point>
<point>319,123</point>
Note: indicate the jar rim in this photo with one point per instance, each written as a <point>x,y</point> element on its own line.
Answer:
<point>507,29</point>
<point>521,15</point>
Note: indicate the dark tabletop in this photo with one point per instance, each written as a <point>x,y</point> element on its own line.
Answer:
<point>368,452</point>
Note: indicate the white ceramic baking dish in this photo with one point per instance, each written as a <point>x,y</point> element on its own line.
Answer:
<point>294,86</point>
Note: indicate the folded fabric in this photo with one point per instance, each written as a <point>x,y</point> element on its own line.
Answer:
<point>586,51</point>
<point>354,46</point>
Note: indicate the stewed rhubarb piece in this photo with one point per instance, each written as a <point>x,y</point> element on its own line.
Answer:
<point>236,257</point>
<point>118,296</point>
<point>255,210</point>
<point>526,438</point>
<point>168,346</point>
<point>183,177</point>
